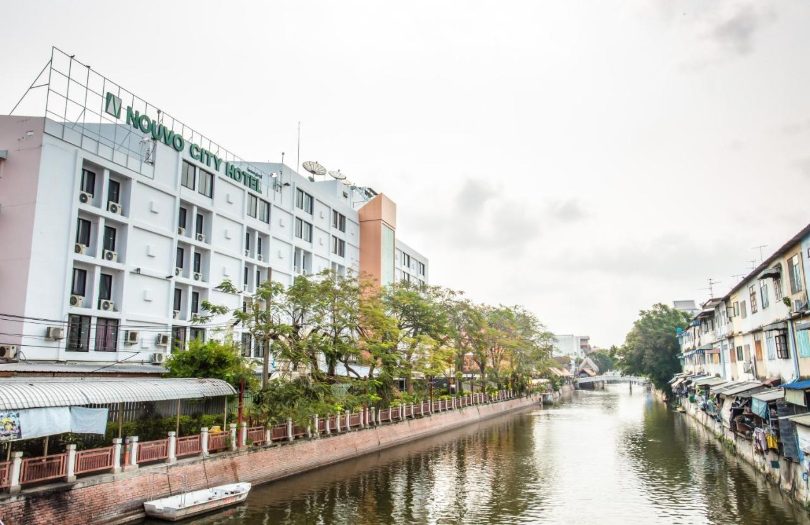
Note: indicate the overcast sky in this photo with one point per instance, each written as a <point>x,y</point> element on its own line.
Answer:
<point>585,159</point>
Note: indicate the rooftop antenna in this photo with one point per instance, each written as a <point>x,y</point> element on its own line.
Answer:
<point>298,158</point>
<point>710,288</point>
<point>753,264</point>
<point>760,248</point>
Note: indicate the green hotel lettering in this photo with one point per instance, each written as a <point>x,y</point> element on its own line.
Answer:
<point>200,154</point>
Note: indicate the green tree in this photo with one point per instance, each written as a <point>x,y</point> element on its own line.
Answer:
<point>211,359</point>
<point>651,347</point>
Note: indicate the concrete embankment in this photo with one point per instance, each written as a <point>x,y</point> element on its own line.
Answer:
<point>783,473</point>
<point>118,498</point>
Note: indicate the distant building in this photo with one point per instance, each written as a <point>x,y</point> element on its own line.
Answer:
<point>686,306</point>
<point>571,345</point>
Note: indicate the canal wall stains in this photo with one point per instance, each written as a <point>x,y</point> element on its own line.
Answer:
<point>113,499</point>
<point>785,474</point>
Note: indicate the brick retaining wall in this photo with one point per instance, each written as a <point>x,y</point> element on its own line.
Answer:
<point>118,498</point>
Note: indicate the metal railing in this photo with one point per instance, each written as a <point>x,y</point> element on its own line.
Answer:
<point>43,468</point>
<point>94,460</point>
<point>153,450</point>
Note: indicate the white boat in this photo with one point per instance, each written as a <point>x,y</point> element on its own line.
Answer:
<point>196,502</point>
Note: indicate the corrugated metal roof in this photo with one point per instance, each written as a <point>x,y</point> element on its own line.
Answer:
<point>801,419</point>
<point>36,392</point>
<point>710,381</point>
<point>740,388</point>
<point>798,385</point>
<point>770,395</point>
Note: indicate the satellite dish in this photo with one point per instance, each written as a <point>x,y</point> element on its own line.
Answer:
<point>314,168</point>
<point>337,175</point>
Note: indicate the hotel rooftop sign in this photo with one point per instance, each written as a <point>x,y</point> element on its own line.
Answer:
<point>94,113</point>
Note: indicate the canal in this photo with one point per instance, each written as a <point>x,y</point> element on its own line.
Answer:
<point>603,457</point>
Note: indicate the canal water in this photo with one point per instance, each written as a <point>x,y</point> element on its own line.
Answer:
<point>603,457</point>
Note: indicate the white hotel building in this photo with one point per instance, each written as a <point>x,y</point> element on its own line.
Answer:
<point>111,238</point>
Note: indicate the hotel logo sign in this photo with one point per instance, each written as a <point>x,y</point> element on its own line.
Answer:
<point>112,105</point>
<point>149,126</point>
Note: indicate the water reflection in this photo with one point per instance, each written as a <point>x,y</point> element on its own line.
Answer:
<point>606,457</point>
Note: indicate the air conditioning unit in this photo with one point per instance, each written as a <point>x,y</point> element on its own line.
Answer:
<point>178,271</point>
<point>747,366</point>
<point>247,252</point>
<point>132,337</point>
<point>799,305</point>
<point>79,248</point>
<point>106,304</point>
<point>85,198</point>
<point>181,230</point>
<point>197,276</point>
<point>114,207</point>
<point>259,256</point>
<point>8,352</point>
<point>158,358</point>
<point>55,332</point>
<point>162,340</point>
<point>200,237</point>
<point>176,314</point>
<point>110,255</point>
<point>76,300</point>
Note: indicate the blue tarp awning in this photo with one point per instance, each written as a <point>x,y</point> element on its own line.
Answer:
<point>798,385</point>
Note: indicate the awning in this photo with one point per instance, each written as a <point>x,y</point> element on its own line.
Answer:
<point>676,377</point>
<point>781,325</point>
<point>746,386</point>
<point>710,381</point>
<point>705,347</point>
<point>37,392</point>
<point>716,389</point>
<point>771,273</point>
<point>769,395</point>
<point>801,419</point>
<point>798,385</point>
<point>678,382</point>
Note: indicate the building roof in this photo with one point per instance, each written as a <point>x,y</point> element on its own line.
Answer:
<point>742,387</point>
<point>37,392</point>
<point>798,385</point>
<point>771,258</point>
<point>710,381</point>
<point>770,395</point>
<point>45,367</point>
<point>801,419</point>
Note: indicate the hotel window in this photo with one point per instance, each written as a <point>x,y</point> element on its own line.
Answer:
<point>421,268</point>
<point>78,339</point>
<point>795,274</point>
<point>114,192</point>
<point>338,246</point>
<point>181,255</point>
<point>105,287</point>
<point>752,298</point>
<point>195,302</point>
<point>259,252</point>
<point>198,227</point>
<point>245,277</point>
<point>246,341</point>
<point>206,185</point>
<point>79,282</point>
<point>260,348</point>
<point>197,262</point>
<point>178,299</point>
<point>88,184</point>
<point>264,211</point>
<point>743,310</point>
<point>763,293</point>
<point>109,238</point>
<point>304,201</point>
<point>303,230</point>
<point>780,341</point>
<point>253,205</point>
<point>187,175</point>
<point>181,218</point>
<point>198,334</point>
<point>179,336</point>
<point>83,232</point>
<point>258,278</point>
<point>740,356</point>
<point>247,240</point>
<point>338,221</point>
<point>106,335</point>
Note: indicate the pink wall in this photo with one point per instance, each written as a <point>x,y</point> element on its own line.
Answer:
<point>19,176</point>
